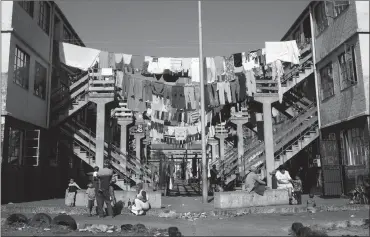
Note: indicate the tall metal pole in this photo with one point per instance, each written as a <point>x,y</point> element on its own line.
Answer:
<point>203,114</point>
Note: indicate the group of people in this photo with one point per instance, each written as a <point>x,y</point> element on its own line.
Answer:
<point>294,186</point>
<point>101,189</point>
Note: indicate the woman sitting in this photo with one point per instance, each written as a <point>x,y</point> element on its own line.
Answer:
<point>141,204</point>
<point>284,181</point>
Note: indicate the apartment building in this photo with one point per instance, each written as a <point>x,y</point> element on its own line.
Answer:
<point>341,33</point>
<point>30,35</point>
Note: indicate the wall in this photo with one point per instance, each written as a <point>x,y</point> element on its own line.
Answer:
<point>364,48</point>
<point>362,9</point>
<point>348,103</point>
<point>338,31</point>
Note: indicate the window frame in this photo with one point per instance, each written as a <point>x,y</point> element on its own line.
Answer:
<point>335,5</point>
<point>30,9</point>
<point>44,16</point>
<point>67,35</point>
<point>21,56</point>
<point>324,15</point>
<point>353,149</point>
<point>38,68</point>
<point>18,146</point>
<point>322,87</point>
<point>352,80</point>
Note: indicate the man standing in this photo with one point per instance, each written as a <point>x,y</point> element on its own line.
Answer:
<point>213,180</point>
<point>103,195</point>
<point>253,182</point>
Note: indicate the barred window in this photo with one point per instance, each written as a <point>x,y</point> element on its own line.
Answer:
<point>39,88</point>
<point>44,16</point>
<point>28,6</point>
<point>21,68</point>
<point>347,67</point>
<point>327,82</point>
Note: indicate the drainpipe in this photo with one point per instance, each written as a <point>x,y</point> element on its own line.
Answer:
<point>51,46</point>
<point>314,69</point>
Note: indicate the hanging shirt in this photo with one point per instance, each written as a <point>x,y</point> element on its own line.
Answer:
<point>181,133</point>
<point>211,70</point>
<point>176,64</point>
<point>286,51</point>
<point>251,83</point>
<point>164,63</point>
<point>195,73</point>
<point>186,64</point>
<point>154,66</point>
<point>127,58</point>
<point>220,69</point>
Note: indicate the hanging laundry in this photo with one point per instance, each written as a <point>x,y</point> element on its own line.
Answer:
<point>178,98</point>
<point>119,79</point>
<point>249,61</point>
<point>148,59</point>
<point>211,70</point>
<point>125,85</point>
<point>76,56</point>
<point>251,83</point>
<point>277,74</point>
<point>238,62</point>
<point>192,130</point>
<point>197,96</point>
<point>127,58</point>
<point>158,88</point>
<point>157,103</point>
<point>147,91</point>
<point>235,91</point>
<point>229,65</point>
<point>181,133</point>
<point>286,51</point>
<point>194,116</point>
<point>135,96</point>
<point>195,73</point>
<point>220,67</point>
<point>176,64</point>
<point>154,66</point>
<point>164,63</point>
<point>243,86</point>
<point>103,59</point>
<point>186,64</point>
<point>190,102</point>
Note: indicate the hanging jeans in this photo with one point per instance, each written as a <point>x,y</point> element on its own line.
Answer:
<point>189,97</point>
<point>235,91</point>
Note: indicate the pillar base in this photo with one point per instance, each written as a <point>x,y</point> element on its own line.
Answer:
<point>239,123</point>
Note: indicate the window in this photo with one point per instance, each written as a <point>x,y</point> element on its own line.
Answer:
<point>21,68</point>
<point>354,146</point>
<point>44,16</point>
<point>15,146</point>
<point>327,82</point>
<point>347,67</point>
<point>39,88</point>
<point>27,6</point>
<point>321,18</point>
<point>31,151</point>
<point>335,8</point>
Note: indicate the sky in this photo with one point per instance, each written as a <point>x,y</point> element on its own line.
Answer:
<point>170,28</point>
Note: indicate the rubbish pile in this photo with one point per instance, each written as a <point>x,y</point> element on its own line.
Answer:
<point>192,216</point>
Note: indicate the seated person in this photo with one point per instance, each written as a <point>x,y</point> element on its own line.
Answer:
<point>141,204</point>
<point>253,183</point>
<point>284,181</point>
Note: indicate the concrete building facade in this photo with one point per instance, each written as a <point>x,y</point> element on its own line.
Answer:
<point>341,31</point>
<point>29,32</point>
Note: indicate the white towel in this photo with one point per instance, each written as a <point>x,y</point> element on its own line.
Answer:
<point>76,56</point>
<point>127,59</point>
<point>286,51</point>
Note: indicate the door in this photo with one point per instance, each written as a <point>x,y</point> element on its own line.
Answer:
<point>331,168</point>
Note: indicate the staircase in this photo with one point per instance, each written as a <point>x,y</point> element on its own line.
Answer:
<point>67,100</point>
<point>291,136</point>
<point>128,167</point>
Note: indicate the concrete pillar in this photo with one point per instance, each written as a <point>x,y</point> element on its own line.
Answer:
<point>221,137</point>
<point>213,143</point>
<point>239,131</point>
<point>124,122</point>
<point>269,141</point>
<point>100,132</point>
<point>138,137</point>
<point>100,129</point>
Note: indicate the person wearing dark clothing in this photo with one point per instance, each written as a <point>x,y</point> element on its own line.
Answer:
<point>72,191</point>
<point>103,195</point>
<point>213,179</point>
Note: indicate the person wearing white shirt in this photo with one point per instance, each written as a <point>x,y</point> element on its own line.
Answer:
<point>284,181</point>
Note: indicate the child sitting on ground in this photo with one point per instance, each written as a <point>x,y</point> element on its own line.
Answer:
<point>297,190</point>
<point>90,197</point>
<point>311,203</point>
